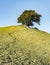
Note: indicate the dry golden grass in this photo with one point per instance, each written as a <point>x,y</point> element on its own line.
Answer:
<point>20,45</point>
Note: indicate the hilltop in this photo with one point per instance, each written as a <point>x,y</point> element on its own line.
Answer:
<point>20,45</point>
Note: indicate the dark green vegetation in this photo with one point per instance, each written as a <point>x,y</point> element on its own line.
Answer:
<point>28,17</point>
<point>24,46</point>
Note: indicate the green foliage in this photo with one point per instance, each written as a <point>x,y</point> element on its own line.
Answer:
<point>24,46</point>
<point>29,16</point>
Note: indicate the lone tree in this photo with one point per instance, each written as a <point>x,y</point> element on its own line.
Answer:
<point>28,17</point>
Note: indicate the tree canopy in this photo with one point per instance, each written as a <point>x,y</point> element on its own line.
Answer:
<point>28,17</point>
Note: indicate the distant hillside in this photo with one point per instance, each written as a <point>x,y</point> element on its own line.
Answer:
<point>20,45</point>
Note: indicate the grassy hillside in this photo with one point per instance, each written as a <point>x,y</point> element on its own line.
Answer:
<point>24,46</point>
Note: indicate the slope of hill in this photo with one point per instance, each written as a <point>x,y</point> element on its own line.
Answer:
<point>24,46</point>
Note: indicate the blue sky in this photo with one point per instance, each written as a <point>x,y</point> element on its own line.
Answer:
<point>10,10</point>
